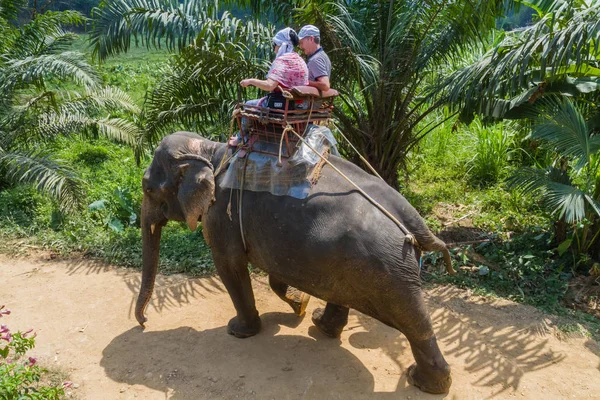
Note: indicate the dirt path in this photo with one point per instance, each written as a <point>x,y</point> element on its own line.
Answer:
<point>82,312</point>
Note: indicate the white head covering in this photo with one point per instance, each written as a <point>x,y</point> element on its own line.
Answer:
<point>282,39</point>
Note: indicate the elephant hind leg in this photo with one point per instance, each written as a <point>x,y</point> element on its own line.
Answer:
<point>408,313</point>
<point>331,320</point>
<point>297,299</point>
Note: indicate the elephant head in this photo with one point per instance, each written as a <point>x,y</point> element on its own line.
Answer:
<point>179,185</point>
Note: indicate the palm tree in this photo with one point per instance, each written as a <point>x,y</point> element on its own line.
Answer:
<point>571,186</point>
<point>35,107</point>
<point>383,54</point>
<point>214,51</point>
<point>557,54</point>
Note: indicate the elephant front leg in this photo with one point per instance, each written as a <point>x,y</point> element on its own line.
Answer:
<point>331,320</point>
<point>235,277</point>
<point>297,299</point>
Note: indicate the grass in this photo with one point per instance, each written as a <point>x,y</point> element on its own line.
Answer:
<point>135,71</point>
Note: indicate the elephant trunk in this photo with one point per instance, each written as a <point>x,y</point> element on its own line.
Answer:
<point>151,231</point>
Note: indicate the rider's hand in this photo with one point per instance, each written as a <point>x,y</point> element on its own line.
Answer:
<point>245,83</point>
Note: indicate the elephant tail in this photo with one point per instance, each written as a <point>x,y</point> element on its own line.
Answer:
<point>438,245</point>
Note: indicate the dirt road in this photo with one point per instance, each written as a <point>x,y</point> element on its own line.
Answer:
<point>83,314</point>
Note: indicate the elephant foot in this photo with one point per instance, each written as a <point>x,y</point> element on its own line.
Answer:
<point>332,327</point>
<point>438,382</point>
<point>300,303</point>
<point>241,330</point>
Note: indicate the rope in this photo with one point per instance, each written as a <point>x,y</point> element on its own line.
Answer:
<point>283,134</point>
<point>360,155</point>
<point>409,236</point>
<point>289,128</point>
<point>225,160</point>
<point>240,203</point>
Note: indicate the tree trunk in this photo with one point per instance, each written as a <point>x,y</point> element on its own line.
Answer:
<point>560,231</point>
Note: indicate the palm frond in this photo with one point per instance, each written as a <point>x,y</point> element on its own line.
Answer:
<point>594,204</point>
<point>201,86</point>
<point>561,124</point>
<point>568,201</point>
<point>155,21</point>
<point>116,129</point>
<point>34,69</point>
<point>555,188</point>
<point>49,176</point>
<point>534,180</point>
<point>9,9</point>
<point>107,98</point>
<point>46,34</point>
<point>281,11</point>
<point>563,44</point>
<point>544,7</point>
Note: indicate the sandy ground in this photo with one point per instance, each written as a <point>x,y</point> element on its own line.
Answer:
<point>82,312</point>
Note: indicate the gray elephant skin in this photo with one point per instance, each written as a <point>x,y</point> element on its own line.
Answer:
<point>334,245</point>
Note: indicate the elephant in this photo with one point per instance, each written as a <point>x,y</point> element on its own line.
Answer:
<point>333,244</point>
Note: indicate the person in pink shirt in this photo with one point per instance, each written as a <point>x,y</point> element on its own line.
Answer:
<point>288,69</point>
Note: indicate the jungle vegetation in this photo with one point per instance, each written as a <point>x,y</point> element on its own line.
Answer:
<point>483,113</point>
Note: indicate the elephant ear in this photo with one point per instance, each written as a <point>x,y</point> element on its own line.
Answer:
<point>196,190</point>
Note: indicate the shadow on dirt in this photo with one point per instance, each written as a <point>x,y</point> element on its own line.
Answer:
<point>499,343</point>
<point>173,291</point>
<point>594,347</point>
<point>170,291</point>
<point>498,350</point>
<point>188,364</point>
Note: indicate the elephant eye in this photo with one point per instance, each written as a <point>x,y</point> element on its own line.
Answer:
<point>149,190</point>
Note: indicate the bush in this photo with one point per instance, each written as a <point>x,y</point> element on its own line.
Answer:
<point>492,149</point>
<point>523,268</point>
<point>20,378</point>
<point>93,155</point>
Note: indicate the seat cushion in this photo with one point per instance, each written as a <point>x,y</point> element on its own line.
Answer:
<point>309,91</point>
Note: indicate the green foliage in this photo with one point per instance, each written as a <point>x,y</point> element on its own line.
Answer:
<point>94,155</point>
<point>492,148</point>
<point>20,379</point>
<point>109,227</point>
<point>523,268</point>
<point>570,186</point>
<point>214,52</point>
<point>36,105</point>
<point>381,53</point>
<point>384,54</point>
<point>557,54</point>
<point>439,177</point>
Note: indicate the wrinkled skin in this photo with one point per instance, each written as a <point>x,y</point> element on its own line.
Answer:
<point>334,245</point>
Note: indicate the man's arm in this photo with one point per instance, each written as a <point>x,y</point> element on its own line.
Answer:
<point>322,83</point>
<point>267,85</point>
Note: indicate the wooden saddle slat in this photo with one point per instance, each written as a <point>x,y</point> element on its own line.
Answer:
<point>269,124</point>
